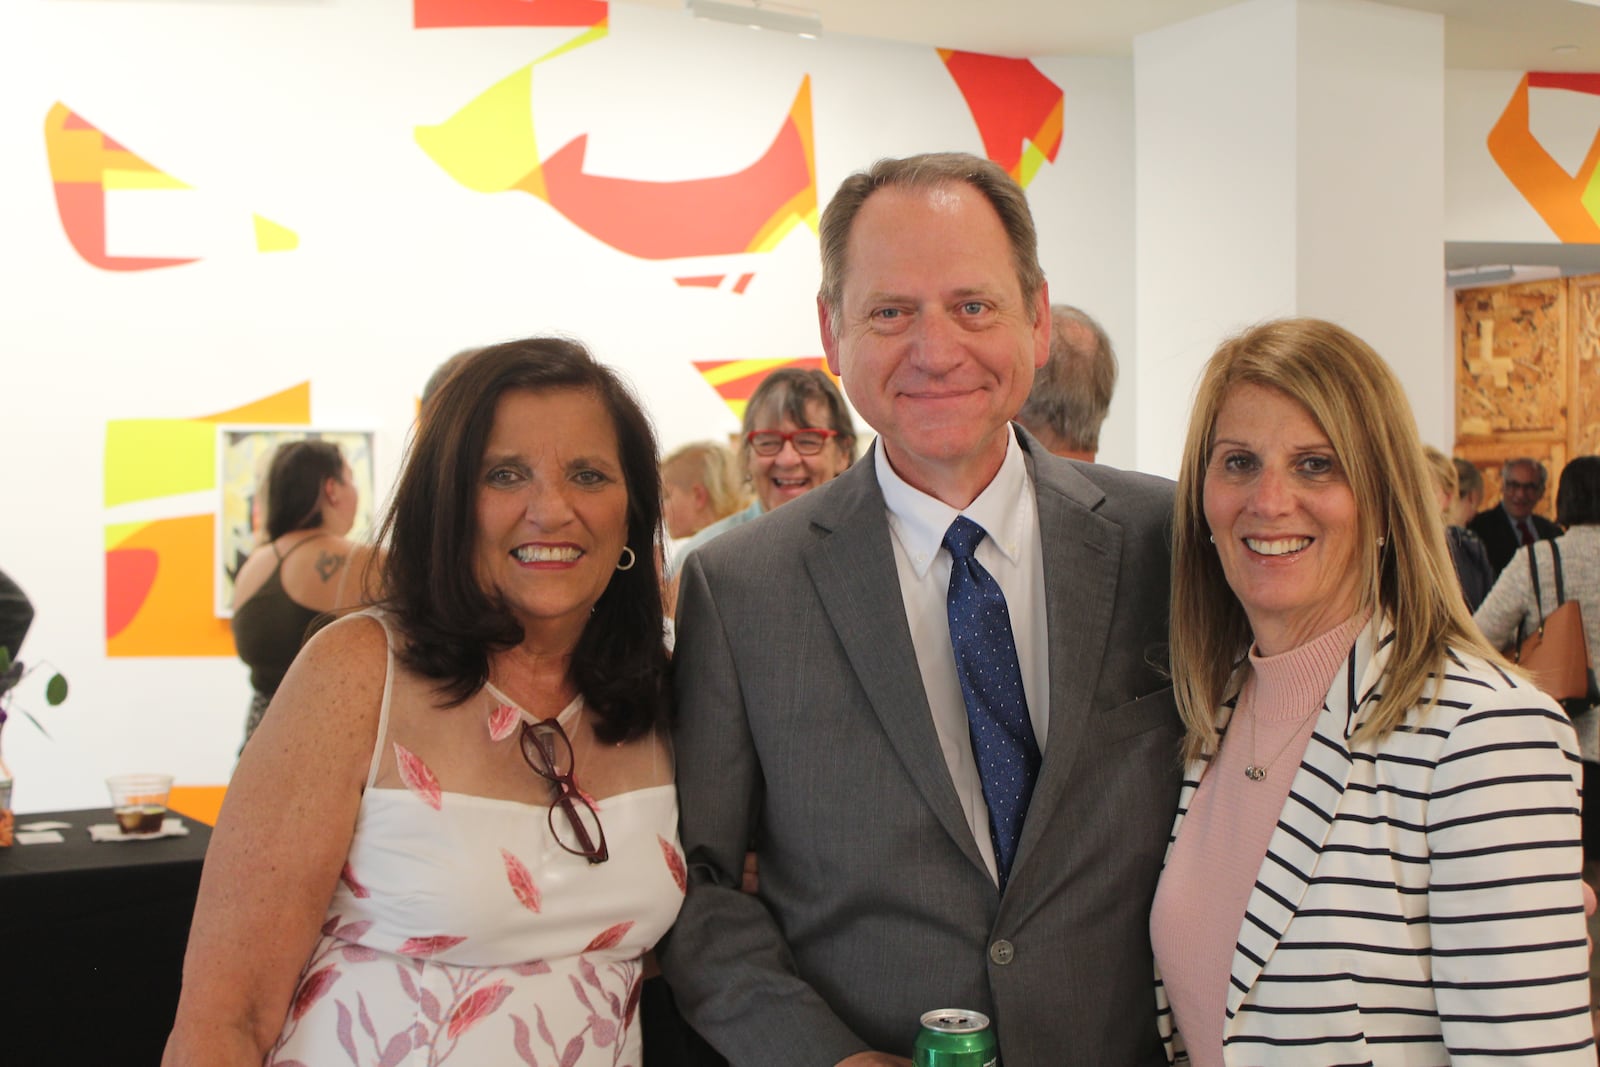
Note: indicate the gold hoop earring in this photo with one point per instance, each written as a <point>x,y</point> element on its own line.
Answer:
<point>632,557</point>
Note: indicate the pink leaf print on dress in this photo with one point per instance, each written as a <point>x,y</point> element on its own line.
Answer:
<point>502,720</point>
<point>521,1041</point>
<point>610,937</point>
<point>521,882</point>
<point>311,990</point>
<point>346,1031</point>
<point>415,774</point>
<point>357,890</point>
<point>419,947</point>
<point>480,1003</point>
<point>680,873</point>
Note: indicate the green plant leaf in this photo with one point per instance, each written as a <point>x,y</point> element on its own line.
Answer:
<point>5,659</point>
<point>55,691</point>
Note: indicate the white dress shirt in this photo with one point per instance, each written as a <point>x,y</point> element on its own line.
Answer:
<point>1008,513</point>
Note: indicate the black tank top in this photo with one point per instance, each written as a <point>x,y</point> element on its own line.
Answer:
<point>269,628</point>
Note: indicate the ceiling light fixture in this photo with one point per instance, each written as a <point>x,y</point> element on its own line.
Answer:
<point>763,16</point>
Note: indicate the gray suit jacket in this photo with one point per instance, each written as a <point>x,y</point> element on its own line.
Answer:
<point>802,722</point>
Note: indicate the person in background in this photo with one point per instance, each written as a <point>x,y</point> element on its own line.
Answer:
<point>1376,857</point>
<point>902,868</point>
<point>797,435</point>
<point>1466,551</point>
<point>456,832</point>
<point>1510,610</point>
<point>280,590</point>
<point>699,486</point>
<point>1469,492</point>
<point>16,615</point>
<point>1072,391</point>
<point>1511,524</point>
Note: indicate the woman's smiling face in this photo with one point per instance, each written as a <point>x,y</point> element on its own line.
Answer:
<point>1283,517</point>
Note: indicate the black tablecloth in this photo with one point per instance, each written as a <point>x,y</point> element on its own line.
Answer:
<point>92,937</point>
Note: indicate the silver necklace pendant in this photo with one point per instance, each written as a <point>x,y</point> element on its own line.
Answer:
<point>1254,773</point>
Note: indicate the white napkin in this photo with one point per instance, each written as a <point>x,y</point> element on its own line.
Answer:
<point>110,831</point>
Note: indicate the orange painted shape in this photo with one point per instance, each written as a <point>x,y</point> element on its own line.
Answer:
<point>742,284</point>
<point>130,572</point>
<point>79,157</point>
<point>1556,195</point>
<point>438,14</point>
<point>291,407</point>
<point>200,802</point>
<point>701,281</point>
<point>700,217</point>
<point>736,379</point>
<point>1011,101</point>
<point>175,618</point>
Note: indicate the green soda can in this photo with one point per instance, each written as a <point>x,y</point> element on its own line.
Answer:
<point>956,1037</point>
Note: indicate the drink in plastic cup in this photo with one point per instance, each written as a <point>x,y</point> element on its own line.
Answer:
<point>139,801</point>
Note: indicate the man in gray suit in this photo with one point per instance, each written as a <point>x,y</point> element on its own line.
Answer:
<point>821,715</point>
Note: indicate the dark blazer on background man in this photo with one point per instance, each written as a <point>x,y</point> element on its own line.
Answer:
<point>1500,538</point>
<point>802,722</point>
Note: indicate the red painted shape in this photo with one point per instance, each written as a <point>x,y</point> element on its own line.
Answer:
<point>666,220</point>
<point>439,14</point>
<point>1011,101</point>
<point>83,217</point>
<point>1578,83</point>
<point>76,121</point>
<point>743,282</point>
<point>702,281</point>
<point>130,575</point>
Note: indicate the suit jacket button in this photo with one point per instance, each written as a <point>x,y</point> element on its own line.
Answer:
<point>1002,952</point>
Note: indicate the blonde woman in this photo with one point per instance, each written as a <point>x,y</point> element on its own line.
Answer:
<point>1377,851</point>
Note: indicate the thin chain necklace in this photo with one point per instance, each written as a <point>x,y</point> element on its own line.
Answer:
<point>1257,771</point>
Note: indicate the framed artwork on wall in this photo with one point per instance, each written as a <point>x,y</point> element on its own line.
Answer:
<point>243,455</point>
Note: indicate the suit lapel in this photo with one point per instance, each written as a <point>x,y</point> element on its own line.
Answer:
<point>1082,557</point>
<point>1308,814</point>
<point>853,570</point>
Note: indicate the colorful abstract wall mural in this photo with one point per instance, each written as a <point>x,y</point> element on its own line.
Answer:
<point>1018,110</point>
<point>1568,203</point>
<point>437,14</point>
<point>736,379</point>
<point>86,166</point>
<point>160,572</point>
<point>490,146</point>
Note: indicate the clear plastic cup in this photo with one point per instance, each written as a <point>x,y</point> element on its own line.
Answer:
<point>139,801</point>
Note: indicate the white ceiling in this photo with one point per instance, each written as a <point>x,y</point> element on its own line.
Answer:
<point>1479,34</point>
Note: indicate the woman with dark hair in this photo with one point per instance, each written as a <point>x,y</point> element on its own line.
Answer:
<point>278,592</point>
<point>1511,608</point>
<point>456,835</point>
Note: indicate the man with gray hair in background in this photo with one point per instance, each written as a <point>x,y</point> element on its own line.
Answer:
<point>1072,391</point>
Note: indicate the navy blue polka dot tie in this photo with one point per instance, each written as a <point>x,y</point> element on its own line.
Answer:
<point>991,684</point>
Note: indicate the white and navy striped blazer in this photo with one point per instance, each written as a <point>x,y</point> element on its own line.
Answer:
<point>1420,900</point>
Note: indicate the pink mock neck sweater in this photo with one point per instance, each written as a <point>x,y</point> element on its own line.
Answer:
<point>1200,902</point>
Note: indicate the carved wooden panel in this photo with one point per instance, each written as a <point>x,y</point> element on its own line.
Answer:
<point>1528,377</point>
<point>1511,367</point>
<point>1583,346</point>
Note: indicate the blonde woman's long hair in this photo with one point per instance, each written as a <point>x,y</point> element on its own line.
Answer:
<point>1355,399</point>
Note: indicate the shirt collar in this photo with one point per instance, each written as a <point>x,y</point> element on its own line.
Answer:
<point>919,521</point>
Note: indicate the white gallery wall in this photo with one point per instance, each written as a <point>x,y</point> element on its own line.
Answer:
<point>305,114</point>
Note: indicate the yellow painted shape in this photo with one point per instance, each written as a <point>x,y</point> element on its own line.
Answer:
<point>292,407</point>
<point>176,618</point>
<point>799,210</point>
<point>270,237</point>
<point>1032,159</point>
<point>589,36</point>
<point>142,178</point>
<point>148,458</point>
<point>118,532</point>
<point>733,370</point>
<point>737,407</point>
<point>488,146</point>
<point>75,155</point>
<point>200,802</point>
<point>1590,198</point>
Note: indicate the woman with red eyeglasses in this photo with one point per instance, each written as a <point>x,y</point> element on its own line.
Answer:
<point>797,435</point>
<point>455,836</point>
